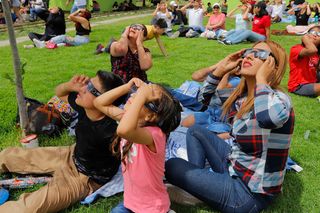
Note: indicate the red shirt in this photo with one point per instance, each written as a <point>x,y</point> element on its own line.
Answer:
<point>260,24</point>
<point>302,69</point>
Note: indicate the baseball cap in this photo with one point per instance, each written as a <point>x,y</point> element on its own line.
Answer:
<point>173,3</point>
<point>216,4</point>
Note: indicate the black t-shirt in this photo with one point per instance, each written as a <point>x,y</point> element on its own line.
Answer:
<point>92,155</point>
<point>302,19</point>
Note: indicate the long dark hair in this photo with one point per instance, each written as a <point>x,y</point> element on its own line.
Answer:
<point>263,11</point>
<point>168,119</point>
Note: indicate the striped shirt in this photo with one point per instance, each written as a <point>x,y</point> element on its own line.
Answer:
<point>262,140</point>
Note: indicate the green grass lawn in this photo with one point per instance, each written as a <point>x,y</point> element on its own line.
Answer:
<point>47,68</point>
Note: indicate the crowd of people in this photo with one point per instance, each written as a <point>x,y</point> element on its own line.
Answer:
<point>239,129</point>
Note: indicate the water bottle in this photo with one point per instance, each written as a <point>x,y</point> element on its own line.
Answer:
<point>316,19</point>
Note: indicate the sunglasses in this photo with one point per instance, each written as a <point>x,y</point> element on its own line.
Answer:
<point>216,7</point>
<point>312,32</point>
<point>136,27</point>
<point>258,53</point>
<point>150,106</point>
<point>92,89</point>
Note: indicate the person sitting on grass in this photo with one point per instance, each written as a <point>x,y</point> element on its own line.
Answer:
<point>145,122</point>
<point>79,169</point>
<point>216,24</point>
<point>82,24</point>
<point>129,58</point>
<point>248,175</point>
<point>260,27</point>
<point>162,12</point>
<point>302,13</point>
<point>304,65</point>
<point>153,31</point>
<point>55,24</point>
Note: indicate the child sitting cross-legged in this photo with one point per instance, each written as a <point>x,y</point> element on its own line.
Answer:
<point>148,117</point>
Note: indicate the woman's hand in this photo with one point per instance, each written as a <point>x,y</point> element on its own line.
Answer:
<point>125,34</point>
<point>229,63</point>
<point>264,73</point>
<point>140,37</point>
<point>151,92</point>
<point>135,82</point>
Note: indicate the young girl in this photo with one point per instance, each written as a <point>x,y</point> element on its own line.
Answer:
<point>148,117</point>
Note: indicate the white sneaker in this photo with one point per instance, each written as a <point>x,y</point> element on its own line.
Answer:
<point>189,33</point>
<point>38,43</point>
<point>180,196</point>
<point>175,35</point>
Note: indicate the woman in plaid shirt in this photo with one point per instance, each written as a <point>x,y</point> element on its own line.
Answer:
<point>248,175</point>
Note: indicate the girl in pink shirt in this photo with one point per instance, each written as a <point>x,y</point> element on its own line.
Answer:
<point>149,115</point>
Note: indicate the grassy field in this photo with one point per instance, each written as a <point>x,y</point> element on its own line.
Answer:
<point>47,68</point>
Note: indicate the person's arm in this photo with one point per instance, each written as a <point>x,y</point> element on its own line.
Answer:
<point>161,46</point>
<point>74,85</point>
<point>245,15</point>
<point>156,11</point>
<point>219,24</point>
<point>120,47</point>
<point>268,33</point>
<point>272,108</point>
<point>308,10</point>
<point>309,47</point>
<point>184,8</point>
<point>78,19</point>
<point>291,11</point>
<point>201,75</point>
<point>145,59</point>
<point>230,14</point>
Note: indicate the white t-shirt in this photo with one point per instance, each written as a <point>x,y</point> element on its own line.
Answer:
<point>195,17</point>
<point>277,10</point>
<point>242,24</point>
<point>168,20</point>
<point>80,2</point>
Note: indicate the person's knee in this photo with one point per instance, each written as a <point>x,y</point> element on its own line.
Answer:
<point>188,121</point>
<point>317,89</point>
<point>172,167</point>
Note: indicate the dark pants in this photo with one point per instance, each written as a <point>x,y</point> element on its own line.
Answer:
<point>41,37</point>
<point>217,188</point>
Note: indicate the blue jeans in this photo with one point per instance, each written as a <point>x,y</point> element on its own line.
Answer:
<point>242,35</point>
<point>120,209</point>
<point>34,12</point>
<point>187,101</point>
<point>76,41</point>
<point>75,8</point>
<point>199,29</point>
<point>217,188</point>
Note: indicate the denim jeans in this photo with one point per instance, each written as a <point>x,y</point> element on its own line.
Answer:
<point>120,209</point>
<point>75,8</point>
<point>76,41</point>
<point>187,101</point>
<point>242,35</point>
<point>217,188</point>
<point>34,12</point>
<point>199,29</point>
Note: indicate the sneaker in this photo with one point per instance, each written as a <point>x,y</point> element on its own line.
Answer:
<point>175,35</point>
<point>180,196</point>
<point>61,44</point>
<point>188,34</point>
<point>38,43</point>
<point>99,49</point>
<point>225,42</point>
<point>4,195</point>
<point>194,34</point>
<point>28,46</point>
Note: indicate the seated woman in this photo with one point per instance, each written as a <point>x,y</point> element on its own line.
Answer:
<point>242,19</point>
<point>81,19</point>
<point>247,176</point>
<point>216,23</point>
<point>260,27</point>
<point>304,65</point>
<point>302,13</point>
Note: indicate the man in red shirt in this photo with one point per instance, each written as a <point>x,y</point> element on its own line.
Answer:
<point>304,65</point>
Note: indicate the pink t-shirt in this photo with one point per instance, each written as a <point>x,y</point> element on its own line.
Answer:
<point>144,190</point>
<point>215,19</point>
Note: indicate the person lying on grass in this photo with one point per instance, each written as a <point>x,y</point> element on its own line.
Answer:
<point>305,65</point>
<point>82,25</point>
<point>146,120</point>
<point>79,169</point>
<point>248,175</point>
<point>153,31</point>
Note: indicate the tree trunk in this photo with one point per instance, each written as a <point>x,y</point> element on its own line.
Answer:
<point>17,67</point>
<point>143,3</point>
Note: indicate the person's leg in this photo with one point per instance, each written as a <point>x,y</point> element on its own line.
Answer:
<point>59,39</point>
<point>310,90</point>
<point>42,160</point>
<point>79,40</point>
<point>203,144</point>
<point>239,37</point>
<point>35,36</point>
<point>32,14</point>
<point>74,8</point>
<point>120,208</point>
<point>254,37</point>
<point>221,191</point>
<point>67,187</point>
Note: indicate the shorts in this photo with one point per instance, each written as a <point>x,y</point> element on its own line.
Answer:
<point>305,90</point>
